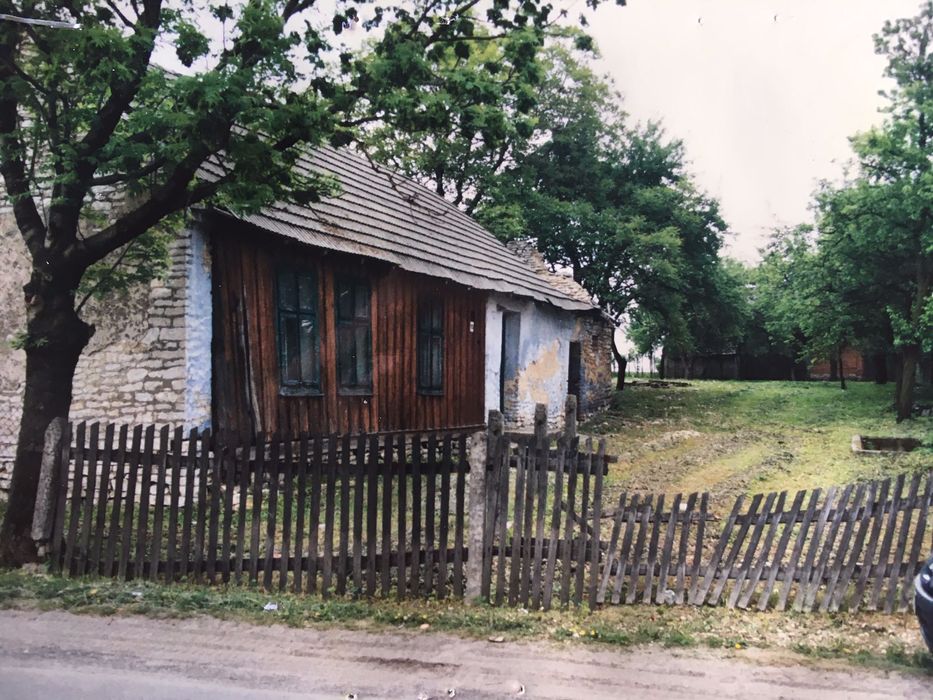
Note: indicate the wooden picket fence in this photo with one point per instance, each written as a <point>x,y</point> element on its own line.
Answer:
<point>404,514</point>
<point>364,514</point>
<point>550,537</point>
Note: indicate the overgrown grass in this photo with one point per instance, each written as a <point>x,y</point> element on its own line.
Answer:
<point>730,437</point>
<point>867,639</point>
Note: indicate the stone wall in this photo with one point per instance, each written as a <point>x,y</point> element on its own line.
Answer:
<point>149,358</point>
<point>594,333</point>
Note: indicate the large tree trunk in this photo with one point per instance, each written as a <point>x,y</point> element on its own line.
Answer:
<point>904,399</point>
<point>55,339</point>
<point>880,361</point>
<point>621,362</point>
<point>662,370</point>
<point>842,369</point>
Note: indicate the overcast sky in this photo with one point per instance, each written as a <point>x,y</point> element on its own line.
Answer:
<point>764,93</point>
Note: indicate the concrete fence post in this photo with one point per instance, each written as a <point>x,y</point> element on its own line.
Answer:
<point>43,518</point>
<point>477,514</point>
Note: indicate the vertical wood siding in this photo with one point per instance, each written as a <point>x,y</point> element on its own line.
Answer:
<point>246,385</point>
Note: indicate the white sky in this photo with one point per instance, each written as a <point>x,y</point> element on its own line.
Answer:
<point>764,106</point>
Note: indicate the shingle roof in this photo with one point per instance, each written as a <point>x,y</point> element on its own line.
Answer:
<point>383,215</point>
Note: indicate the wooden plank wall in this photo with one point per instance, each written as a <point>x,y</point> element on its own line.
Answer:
<point>246,375</point>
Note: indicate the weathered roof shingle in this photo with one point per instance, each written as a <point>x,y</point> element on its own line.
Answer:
<point>383,215</point>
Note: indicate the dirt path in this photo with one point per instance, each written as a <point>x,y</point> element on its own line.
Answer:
<point>58,654</point>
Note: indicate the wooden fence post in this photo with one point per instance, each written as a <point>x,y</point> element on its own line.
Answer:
<point>570,418</point>
<point>477,515</point>
<point>49,482</point>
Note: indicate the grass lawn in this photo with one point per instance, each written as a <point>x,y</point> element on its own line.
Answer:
<point>729,437</point>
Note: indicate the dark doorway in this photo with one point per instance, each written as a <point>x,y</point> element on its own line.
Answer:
<point>574,370</point>
<point>508,367</point>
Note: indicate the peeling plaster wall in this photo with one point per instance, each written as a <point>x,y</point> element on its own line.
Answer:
<point>544,352</point>
<point>198,332</point>
<point>149,360</point>
<point>544,360</point>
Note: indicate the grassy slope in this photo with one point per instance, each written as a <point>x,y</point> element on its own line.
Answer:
<point>731,437</point>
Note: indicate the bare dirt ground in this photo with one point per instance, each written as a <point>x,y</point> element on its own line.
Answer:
<point>58,654</point>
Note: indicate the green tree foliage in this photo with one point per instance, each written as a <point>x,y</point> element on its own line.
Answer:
<point>614,204</point>
<point>876,243</point>
<point>83,112</point>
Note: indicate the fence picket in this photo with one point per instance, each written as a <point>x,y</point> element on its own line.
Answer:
<point>443,530</point>
<point>145,487</point>
<point>188,509</point>
<point>460,515</point>
<point>884,551</point>
<point>904,530</point>
<point>288,486</point>
<point>359,481</point>
<point>666,550</point>
<point>302,469</point>
<point>256,521</point>
<point>372,507</point>
<point>652,558</point>
<point>753,540</point>
<point>115,533</point>
<point>228,471</point>
<point>643,526</point>
<point>734,550</point>
<point>916,548</point>
<point>416,515</point>
<point>317,471</point>
<point>517,521</point>
<point>631,519</point>
<point>87,501</point>
<point>430,503</point>
<point>584,507</point>
<point>797,550</point>
<point>388,458</point>
<point>554,540</point>
<point>272,516</point>
<point>174,489</point>
<point>698,596</point>
<point>102,498</point>
<point>811,583</point>
<point>159,512</point>
<point>566,553</point>
<point>756,573</point>
<point>330,506</point>
<point>401,578</point>
<point>611,551</point>
<point>837,566</point>
<point>682,549</point>
<point>775,566</point>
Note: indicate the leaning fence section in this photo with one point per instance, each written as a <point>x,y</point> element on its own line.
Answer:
<point>854,547</point>
<point>380,514</point>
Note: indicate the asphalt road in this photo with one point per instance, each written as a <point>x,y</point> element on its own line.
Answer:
<point>60,655</point>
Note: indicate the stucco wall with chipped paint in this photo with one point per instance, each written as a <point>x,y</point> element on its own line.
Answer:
<point>544,360</point>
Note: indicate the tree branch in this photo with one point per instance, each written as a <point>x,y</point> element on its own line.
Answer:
<point>12,165</point>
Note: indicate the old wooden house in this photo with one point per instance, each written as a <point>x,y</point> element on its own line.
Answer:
<point>381,308</point>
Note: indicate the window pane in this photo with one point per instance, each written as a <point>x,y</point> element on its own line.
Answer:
<point>346,356</point>
<point>362,301</point>
<point>438,318</point>
<point>344,301</point>
<point>424,361</point>
<point>437,362</point>
<point>308,345</point>
<point>292,369</point>
<point>363,352</point>
<point>287,292</point>
<point>306,293</point>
